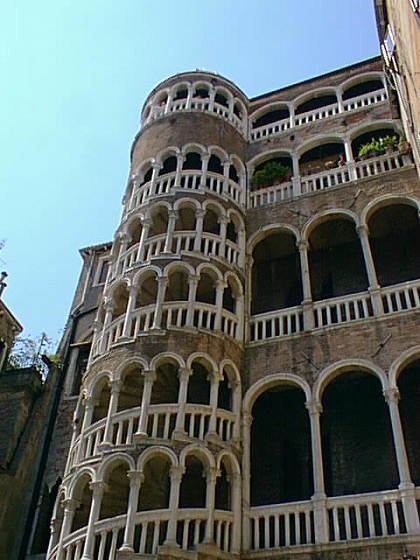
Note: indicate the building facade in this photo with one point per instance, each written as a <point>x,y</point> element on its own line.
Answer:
<point>242,361</point>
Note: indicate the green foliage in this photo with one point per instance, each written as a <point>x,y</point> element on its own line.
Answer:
<point>389,141</point>
<point>28,351</point>
<point>271,172</point>
<point>378,146</point>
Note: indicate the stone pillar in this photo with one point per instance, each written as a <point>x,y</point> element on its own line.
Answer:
<point>235,481</point>
<point>291,116</point>
<point>199,218</point>
<point>162,283</point>
<point>109,305</point>
<point>189,97</point>
<point>406,486</point>
<point>112,409</point>
<point>168,102</point>
<point>374,289</point>
<point>146,223</point>
<point>98,489</point>
<point>173,216</point>
<point>176,478</point>
<point>307,305</point>
<point>179,163</point>
<point>339,94</point>
<point>149,378</point>
<point>246,481</point>
<point>136,480</point>
<point>220,288</point>
<point>132,296</point>
<point>240,313</point>
<point>226,169</point>
<point>155,174</point>
<point>204,167</point>
<point>319,497</point>
<point>350,160</point>
<point>211,477</point>
<point>235,387</point>
<point>192,290</point>
<point>297,187</point>
<point>214,397</point>
<point>184,374</point>
<point>223,221</point>
<point>212,96</point>
<point>70,506</point>
<point>242,247</point>
<point>89,406</point>
<point>242,187</point>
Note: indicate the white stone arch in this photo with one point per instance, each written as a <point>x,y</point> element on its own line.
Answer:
<point>156,451</point>
<point>238,285</point>
<point>326,216</point>
<point>145,272</point>
<point>137,217</point>
<point>97,383</point>
<point>268,108</point>
<point>178,266</point>
<point>187,201</point>
<point>107,465</point>
<point>72,487</point>
<point>232,459</point>
<point>360,79</point>
<point>267,231</point>
<point>202,84</point>
<point>234,368</point>
<point>270,381</point>
<point>144,166</point>
<point>219,152</point>
<point>151,211</point>
<point>197,356</point>
<point>124,282</point>
<point>237,163</point>
<point>136,360</point>
<point>225,92</point>
<point>215,206</point>
<point>210,269</point>
<point>374,125</point>
<point>266,156</point>
<point>313,94</point>
<point>159,95</point>
<point>232,213</point>
<point>199,452</point>
<point>400,363</point>
<point>387,200</point>
<point>179,86</point>
<point>168,151</point>
<point>164,357</point>
<point>146,111</point>
<point>320,140</point>
<point>193,147</point>
<point>342,366</point>
<point>242,107</point>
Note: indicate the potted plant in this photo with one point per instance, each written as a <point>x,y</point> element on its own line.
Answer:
<point>259,180</point>
<point>389,143</point>
<point>371,149</point>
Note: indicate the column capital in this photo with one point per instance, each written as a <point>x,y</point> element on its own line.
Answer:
<point>247,419</point>
<point>109,304</point>
<point>173,214</point>
<point>88,403</point>
<point>392,395</point>
<point>193,279</point>
<point>215,377</point>
<point>184,373</point>
<point>133,290</point>
<point>211,474</point>
<point>162,280</point>
<point>156,165</point>
<point>180,157</point>
<point>70,504</point>
<point>136,477</point>
<point>220,284</point>
<point>302,245</point>
<point>146,221</point>
<point>116,385</point>
<point>98,488</point>
<point>362,230</point>
<point>314,407</point>
<point>223,220</point>
<point>149,375</point>
<point>200,213</point>
<point>176,474</point>
<point>123,237</point>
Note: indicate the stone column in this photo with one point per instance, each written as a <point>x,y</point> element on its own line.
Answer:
<point>149,378</point>
<point>307,305</point>
<point>179,163</point>
<point>297,187</point>
<point>173,216</point>
<point>98,489</point>
<point>204,167</point>
<point>235,387</point>
<point>136,480</point>
<point>189,97</point>
<point>319,497</point>
<point>162,283</point>
<point>70,506</point>
<point>350,160</point>
<point>176,478</point>
<point>112,409</point>
<point>242,247</point>
<point>89,406</point>
<point>211,477</point>
<point>214,396</point>
<point>199,218</point>
<point>192,290</point>
<point>240,313</point>
<point>339,94</point>
<point>109,305</point>
<point>374,288</point>
<point>223,221</point>
<point>168,102</point>
<point>246,481</point>
<point>184,374</point>
<point>235,481</point>
<point>146,223</point>
<point>212,96</point>
<point>226,169</point>
<point>291,116</point>
<point>242,187</point>
<point>220,288</point>
<point>132,296</point>
<point>155,174</point>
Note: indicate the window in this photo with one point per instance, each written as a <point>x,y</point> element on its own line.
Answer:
<point>80,368</point>
<point>101,271</point>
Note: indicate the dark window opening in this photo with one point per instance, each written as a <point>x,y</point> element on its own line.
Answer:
<point>80,368</point>
<point>271,117</point>
<point>221,99</point>
<point>362,88</point>
<point>215,165</point>
<point>316,103</point>
<point>169,166</point>
<point>192,161</point>
<point>181,94</point>
<point>193,485</point>
<point>198,385</point>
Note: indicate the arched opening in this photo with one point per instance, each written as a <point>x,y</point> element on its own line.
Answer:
<point>199,385</point>
<point>370,143</point>
<point>201,92</point>
<point>120,297</point>
<point>233,174</point>
<point>147,290</point>
<point>321,158</point>
<point>101,399</point>
<point>276,273</point>
<point>362,88</point>
<point>156,486</point>
<point>272,116</point>
<point>225,390</point>
<point>115,498</point>
<point>206,290</point>
<point>131,391</point>
<point>211,222</point>
<point>166,385</point>
<point>281,460</point>
<point>336,263</point>
<point>177,288</point>
<point>134,233</point>
<point>232,229</point>
<point>161,99</point>
<point>273,171</point>
<point>223,497</point>
<point>394,234</point>
<point>83,495</point>
<point>215,165</point>
<point>159,224</point>
<point>321,100</point>
<point>168,166</point>
<point>409,387</point>
<point>186,218</point>
<point>357,445</point>
<point>229,302</point>
<point>181,93</point>
<point>221,99</point>
<point>192,161</point>
<point>237,110</point>
<point>147,176</point>
<point>193,485</point>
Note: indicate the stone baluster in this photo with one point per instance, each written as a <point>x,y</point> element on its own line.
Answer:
<point>192,290</point>
<point>374,289</point>
<point>112,409</point>
<point>132,296</point>
<point>223,221</point>
<point>155,175</point>
<point>149,379</point>
<point>319,498</point>
<point>89,406</point>
<point>307,305</point>
<point>184,375</point>
<point>211,102</point>
<point>211,477</point>
<point>226,170</point>
<point>136,480</point>
<point>173,216</point>
<point>199,218</point>
<point>98,489</point>
<point>406,486</point>
<point>176,478</point>
<point>242,247</point>
<point>162,284</point>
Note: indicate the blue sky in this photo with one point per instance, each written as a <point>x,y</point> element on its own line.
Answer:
<point>75,75</point>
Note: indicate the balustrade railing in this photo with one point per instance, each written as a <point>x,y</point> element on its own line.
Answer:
<point>316,114</point>
<point>269,195</point>
<point>268,129</point>
<point>342,309</point>
<point>276,323</point>
<point>325,179</point>
<point>365,100</point>
<point>380,164</point>
<point>401,297</point>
